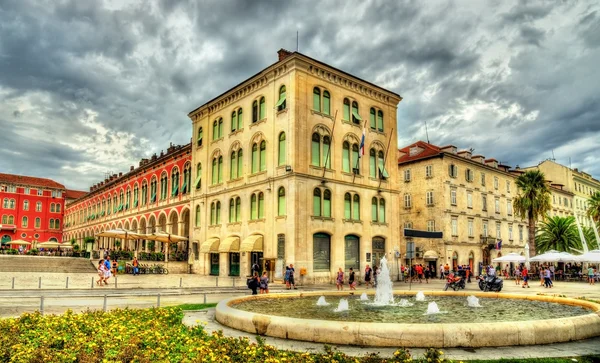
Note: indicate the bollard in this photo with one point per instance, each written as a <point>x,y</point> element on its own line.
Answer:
<point>158,301</point>
<point>13,283</point>
<point>42,305</point>
<point>205,298</point>
<point>104,306</point>
<point>92,282</point>
<point>67,286</point>
<point>40,283</point>
<point>217,281</point>
<point>180,282</point>
<point>115,282</point>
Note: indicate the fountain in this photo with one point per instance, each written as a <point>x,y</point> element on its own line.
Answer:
<point>532,320</point>
<point>342,306</point>
<point>473,301</point>
<point>322,302</point>
<point>420,296</point>
<point>384,295</point>
<point>432,308</point>
<point>364,297</point>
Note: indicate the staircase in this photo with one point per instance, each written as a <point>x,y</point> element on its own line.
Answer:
<point>12,263</point>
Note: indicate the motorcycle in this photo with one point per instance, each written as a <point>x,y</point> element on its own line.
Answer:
<point>454,282</point>
<point>490,283</point>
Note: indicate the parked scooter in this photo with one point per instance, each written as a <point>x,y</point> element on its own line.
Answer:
<point>490,283</point>
<point>454,282</point>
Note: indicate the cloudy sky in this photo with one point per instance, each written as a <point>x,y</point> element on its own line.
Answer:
<point>92,86</point>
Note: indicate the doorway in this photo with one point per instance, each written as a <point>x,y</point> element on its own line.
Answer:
<point>214,264</point>
<point>234,264</point>
<point>378,250</point>
<point>256,257</point>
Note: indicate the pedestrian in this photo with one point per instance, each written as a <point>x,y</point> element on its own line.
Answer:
<point>351,281</point>
<point>264,283</point>
<point>524,273</point>
<point>419,273</point>
<point>100,272</point>
<point>136,266</point>
<point>517,276</point>
<point>427,274</point>
<point>591,275</point>
<point>441,272</point>
<point>107,273</point>
<point>469,273</point>
<point>446,270</point>
<point>115,266</point>
<point>368,273</point>
<point>253,283</point>
<point>255,268</point>
<point>286,277</point>
<point>547,281</point>
<point>291,277</point>
<point>339,282</point>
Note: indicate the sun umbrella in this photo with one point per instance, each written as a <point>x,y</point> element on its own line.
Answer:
<point>554,256</point>
<point>591,256</point>
<point>49,244</point>
<point>165,238</point>
<point>20,242</point>
<point>511,257</point>
<point>120,233</point>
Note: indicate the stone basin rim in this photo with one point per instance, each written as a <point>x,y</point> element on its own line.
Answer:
<point>440,335</point>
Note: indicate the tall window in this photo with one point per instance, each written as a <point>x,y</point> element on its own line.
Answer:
<point>257,206</point>
<point>215,213</point>
<point>428,171</point>
<point>128,198</point>
<point>407,175</point>
<point>498,230</point>
<point>197,216</point>
<point>199,137</point>
<point>136,192</point>
<point>144,194</point>
<point>469,200</point>
<point>407,201</point>
<point>187,178</point>
<point>233,166</point>
<point>431,225</point>
<point>320,150</point>
<point>380,120</point>
<point>217,128</point>
<point>470,227</point>
<point>24,222</point>
<point>281,151</point>
<point>262,108</point>
<point>281,207</point>
<point>38,223</point>
<point>483,202</point>
<point>38,206</point>
<point>5,203</point>
<point>255,111</point>
<point>346,109</point>
<point>509,208</point>
<point>153,190</point>
<point>375,119</point>
<point>483,179</point>
<point>217,170</point>
<point>454,222</point>
<point>240,163</point>
<point>259,156</point>
<point>164,186</point>
<point>281,102</point>
<point>121,201</point>
<point>322,203</point>
<point>497,205</point>
<point>198,181</point>
<point>453,196</point>
<point>234,121</point>
<point>355,116</point>
<point>429,197</point>
<point>321,104</point>
<point>452,170</point>
<point>496,182</point>
<point>26,205</point>
<point>351,207</point>
<point>510,232</point>
<point>378,210</point>
<point>51,224</point>
<point>174,182</point>
<point>469,175</point>
<point>234,210</point>
<point>317,99</point>
<point>52,209</point>
<point>350,157</point>
<point>321,252</point>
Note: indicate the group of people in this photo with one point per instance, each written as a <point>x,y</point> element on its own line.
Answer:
<point>370,278</point>
<point>106,270</point>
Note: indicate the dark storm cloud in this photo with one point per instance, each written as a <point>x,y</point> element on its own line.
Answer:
<point>114,81</point>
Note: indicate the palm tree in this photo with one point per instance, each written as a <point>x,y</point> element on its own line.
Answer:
<point>590,237</point>
<point>532,202</point>
<point>558,233</point>
<point>594,207</point>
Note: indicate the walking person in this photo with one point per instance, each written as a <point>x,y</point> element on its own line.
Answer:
<point>107,267</point>
<point>264,283</point>
<point>591,275</point>
<point>441,272</point>
<point>351,281</point>
<point>136,266</point>
<point>339,282</point>
<point>291,277</point>
<point>525,273</point>
<point>253,283</point>
<point>427,272</point>
<point>286,277</point>
<point>517,276</point>
<point>368,273</point>
<point>100,272</point>
<point>547,281</point>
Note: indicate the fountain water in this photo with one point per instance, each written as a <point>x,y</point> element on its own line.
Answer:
<point>404,303</point>
<point>432,308</point>
<point>342,306</point>
<point>420,296</point>
<point>364,297</point>
<point>322,302</point>
<point>473,301</point>
<point>384,295</point>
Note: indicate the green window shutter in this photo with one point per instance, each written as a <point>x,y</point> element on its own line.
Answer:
<point>356,208</point>
<point>346,158</point>
<point>263,157</point>
<point>383,173</point>
<point>326,103</point>
<point>218,213</point>
<point>220,171</point>
<point>261,206</point>
<point>316,152</point>
<point>231,211</point>
<point>240,166</point>
<point>281,100</point>
<point>354,158</point>
<point>317,100</point>
<point>317,205</point>
<point>153,197</point>
<point>221,128</point>
<point>356,115</point>
<point>214,171</point>
<point>135,204</point>
<point>184,186</point>
<point>374,210</point>
<point>120,207</point>
<point>372,118</point>
<point>380,120</point>
<point>255,158</point>
<point>326,155</point>
<point>281,158</point>
<point>372,166</point>
<point>281,206</point>
<point>234,121</point>
<point>347,206</point>
<point>233,166</point>
<point>326,207</point>
<point>238,210</point>
<point>197,182</point>
<point>381,211</point>
<point>175,190</point>
<point>215,130</point>
<point>253,207</point>
<point>240,119</point>
<point>262,109</point>
<point>347,112</point>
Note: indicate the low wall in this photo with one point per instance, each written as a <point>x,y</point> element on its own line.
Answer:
<point>417,335</point>
<point>176,267</point>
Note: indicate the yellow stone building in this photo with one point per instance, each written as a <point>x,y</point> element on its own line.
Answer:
<point>581,184</point>
<point>278,177</point>
<point>467,197</point>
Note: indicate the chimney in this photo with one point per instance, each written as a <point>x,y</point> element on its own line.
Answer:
<point>171,148</point>
<point>465,154</point>
<point>131,168</point>
<point>449,149</point>
<point>478,158</point>
<point>120,174</point>
<point>283,54</point>
<point>154,157</point>
<point>492,162</point>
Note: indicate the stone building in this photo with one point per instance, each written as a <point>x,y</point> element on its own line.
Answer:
<point>278,178</point>
<point>578,183</point>
<point>155,196</point>
<point>467,197</point>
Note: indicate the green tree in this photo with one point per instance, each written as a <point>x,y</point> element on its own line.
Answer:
<point>594,207</point>
<point>558,233</point>
<point>590,237</point>
<point>532,202</point>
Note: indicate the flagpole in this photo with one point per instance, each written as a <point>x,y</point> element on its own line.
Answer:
<point>385,157</point>
<point>330,144</point>
<point>360,153</point>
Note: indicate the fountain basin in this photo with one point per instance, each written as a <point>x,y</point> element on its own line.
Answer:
<point>439,335</point>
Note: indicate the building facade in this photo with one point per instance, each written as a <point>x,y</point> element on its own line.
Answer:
<point>278,177</point>
<point>578,183</point>
<point>32,209</point>
<point>155,196</point>
<point>466,197</point>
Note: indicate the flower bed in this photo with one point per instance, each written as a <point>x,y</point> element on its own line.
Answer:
<point>150,335</point>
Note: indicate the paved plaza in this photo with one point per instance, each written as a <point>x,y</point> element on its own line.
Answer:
<point>148,291</point>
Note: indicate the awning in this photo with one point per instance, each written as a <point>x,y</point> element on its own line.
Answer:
<point>430,255</point>
<point>281,100</point>
<point>230,244</point>
<point>356,115</point>
<point>8,227</point>
<point>197,183</point>
<point>210,245</point>
<point>175,190</point>
<point>252,243</point>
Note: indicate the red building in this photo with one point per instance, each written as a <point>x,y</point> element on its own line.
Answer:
<point>31,209</point>
<point>155,196</point>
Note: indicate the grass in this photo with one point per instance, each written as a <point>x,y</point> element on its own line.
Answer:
<point>196,306</point>
<point>586,359</point>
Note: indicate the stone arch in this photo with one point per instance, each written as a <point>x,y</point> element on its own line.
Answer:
<point>174,222</point>
<point>351,138</point>
<point>322,130</point>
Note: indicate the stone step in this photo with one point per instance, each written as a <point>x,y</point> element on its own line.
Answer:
<point>12,263</point>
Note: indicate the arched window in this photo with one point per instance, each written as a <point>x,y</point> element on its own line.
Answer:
<point>5,203</point>
<point>197,216</point>
<point>372,117</point>
<point>144,196</point>
<point>262,111</point>
<point>231,210</point>
<point>5,219</point>
<point>281,154</point>
<point>57,223</point>
<point>240,165</point>
<point>174,182</point>
<point>12,204</point>
<point>382,173</point>
<point>52,210</point>
<point>347,206</point>
<point>220,169</point>
<point>381,213</point>
<point>57,208</point>
<point>281,102</point>
<point>164,186</point>
<point>352,252</point>
<point>380,120</point>
<point>317,202</point>
<point>255,157</point>
<point>215,134</point>
<point>153,191</point>
<point>187,178</point>
<point>215,172</point>
<point>253,207</point>
<point>263,156</point>
<point>326,103</point>
<point>136,192</point>
<point>11,220</point>
<point>326,212</point>
<point>51,225</point>
<point>346,157</point>
<point>351,207</point>
<point>317,99</point>
<point>372,163</point>
<point>281,208</point>
<point>233,166</point>
<point>220,127</point>
<point>254,111</point>
<point>234,121</point>
<point>240,119</point>
<point>320,150</point>
<point>38,223</point>
<point>261,205</point>
<point>238,209</point>
<point>355,116</point>
<point>121,201</point>
<point>198,181</point>
<point>128,198</point>
<point>213,213</point>
<point>199,138</point>
<point>24,222</point>
<point>374,209</point>
<point>38,206</point>
<point>346,108</point>
<point>26,205</point>
<point>356,207</point>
